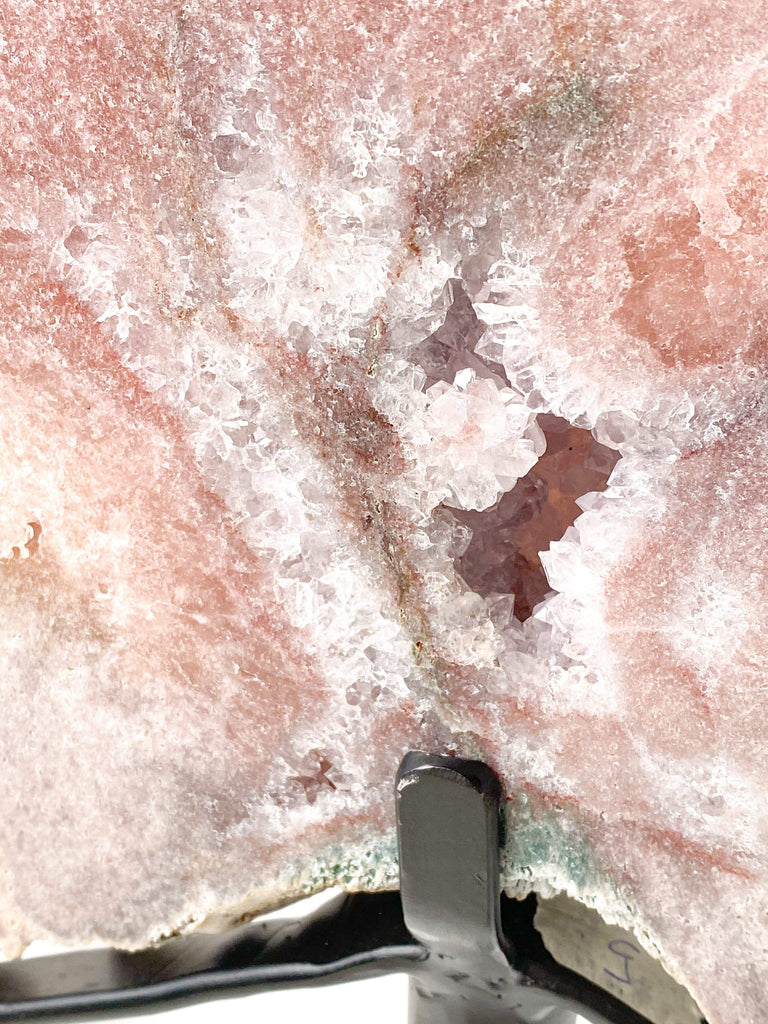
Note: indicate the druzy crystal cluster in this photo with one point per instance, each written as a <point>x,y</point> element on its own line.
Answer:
<point>381,375</point>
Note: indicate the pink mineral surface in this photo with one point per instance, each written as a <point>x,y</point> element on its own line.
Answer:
<point>376,376</point>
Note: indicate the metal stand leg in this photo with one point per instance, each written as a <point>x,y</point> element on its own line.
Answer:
<point>448,825</point>
<point>448,822</point>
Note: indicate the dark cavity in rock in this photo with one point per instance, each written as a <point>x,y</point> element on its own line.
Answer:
<point>503,554</point>
<point>451,348</point>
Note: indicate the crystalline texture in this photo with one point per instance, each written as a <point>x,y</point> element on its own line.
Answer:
<point>287,296</point>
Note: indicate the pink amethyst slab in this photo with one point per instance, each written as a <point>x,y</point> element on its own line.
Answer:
<point>320,324</point>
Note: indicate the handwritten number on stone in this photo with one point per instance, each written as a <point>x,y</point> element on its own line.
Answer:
<point>627,952</point>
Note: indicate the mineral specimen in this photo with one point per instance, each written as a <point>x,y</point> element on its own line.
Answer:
<point>322,329</point>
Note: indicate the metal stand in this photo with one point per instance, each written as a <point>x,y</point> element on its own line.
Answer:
<point>473,958</point>
<point>477,972</point>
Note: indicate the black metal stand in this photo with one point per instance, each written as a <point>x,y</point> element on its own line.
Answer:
<point>473,957</point>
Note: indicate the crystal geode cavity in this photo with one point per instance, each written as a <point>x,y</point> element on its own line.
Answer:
<point>319,326</point>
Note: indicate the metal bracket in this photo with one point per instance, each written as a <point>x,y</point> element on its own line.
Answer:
<point>477,971</point>
<point>473,957</point>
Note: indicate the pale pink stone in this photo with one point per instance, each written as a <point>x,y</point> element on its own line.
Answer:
<point>229,601</point>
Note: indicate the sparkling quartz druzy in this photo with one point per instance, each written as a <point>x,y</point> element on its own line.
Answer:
<point>319,326</point>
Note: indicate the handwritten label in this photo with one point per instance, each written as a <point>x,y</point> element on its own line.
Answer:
<point>620,948</point>
<point>612,958</point>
